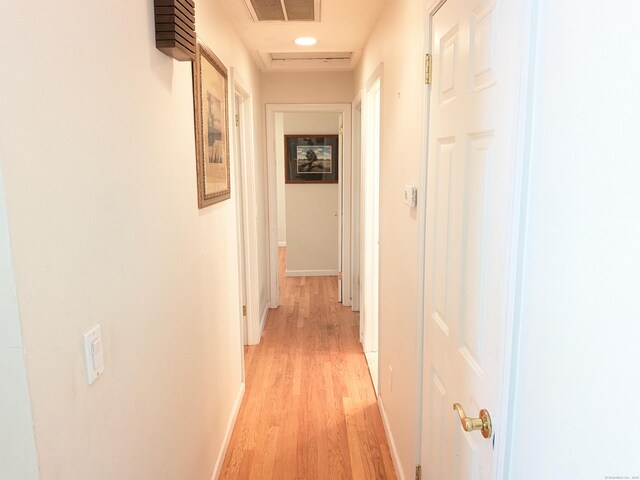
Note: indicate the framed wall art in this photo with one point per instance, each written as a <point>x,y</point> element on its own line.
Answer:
<point>311,159</point>
<point>212,127</point>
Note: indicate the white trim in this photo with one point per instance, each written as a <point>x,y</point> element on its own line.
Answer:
<point>397,465</point>
<point>237,174</point>
<point>370,231</point>
<point>272,220</point>
<point>227,434</point>
<point>272,214</point>
<point>428,12</point>
<point>248,190</point>
<point>311,273</point>
<point>505,429</point>
<point>345,207</point>
<point>282,244</point>
<point>356,209</point>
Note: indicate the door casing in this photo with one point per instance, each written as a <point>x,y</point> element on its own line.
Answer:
<point>345,192</point>
<point>370,212</point>
<point>356,202</point>
<point>246,214</point>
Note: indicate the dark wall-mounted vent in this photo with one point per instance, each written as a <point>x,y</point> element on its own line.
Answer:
<point>284,10</point>
<point>176,28</point>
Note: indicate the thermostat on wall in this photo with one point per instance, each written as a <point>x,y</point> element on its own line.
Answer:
<point>410,195</point>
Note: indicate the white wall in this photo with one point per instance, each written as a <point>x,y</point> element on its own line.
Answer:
<point>99,165</point>
<point>18,459</point>
<point>312,223</point>
<point>307,87</point>
<point>578,388</point>
<point>396,42</point>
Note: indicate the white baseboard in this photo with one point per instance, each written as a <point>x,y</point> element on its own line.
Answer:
<point>227,434</point>
<point>311,273</point>
<point>282,244</point>
<point>397,465</point>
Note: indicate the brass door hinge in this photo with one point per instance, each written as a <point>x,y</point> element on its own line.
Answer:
<point>237,120</point>
<point>244,310</point>
<point>341,130</point>
<point>339,275</point>
<point>428,67</point>
<point>418,472</point>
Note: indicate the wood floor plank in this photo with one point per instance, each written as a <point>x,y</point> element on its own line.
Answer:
<point>309,410</point>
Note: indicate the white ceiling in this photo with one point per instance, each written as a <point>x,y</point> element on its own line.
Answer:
<point>341,32</point>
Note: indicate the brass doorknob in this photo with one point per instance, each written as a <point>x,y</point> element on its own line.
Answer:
<point>470,424</point>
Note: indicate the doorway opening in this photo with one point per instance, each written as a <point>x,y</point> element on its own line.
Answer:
<point>308,217</point>
<point>308,193</point>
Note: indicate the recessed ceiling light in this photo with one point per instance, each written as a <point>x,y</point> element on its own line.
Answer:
<point>306,41</point>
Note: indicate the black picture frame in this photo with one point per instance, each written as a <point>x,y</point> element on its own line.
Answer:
<point>311,158</point>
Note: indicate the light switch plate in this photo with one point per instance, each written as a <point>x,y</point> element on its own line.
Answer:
<point>410,195</point>
<point>93,353</point>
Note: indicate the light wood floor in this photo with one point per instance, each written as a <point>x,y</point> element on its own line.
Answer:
<point>309,410</point>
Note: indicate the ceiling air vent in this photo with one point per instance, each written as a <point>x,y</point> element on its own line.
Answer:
<point>284,10</point>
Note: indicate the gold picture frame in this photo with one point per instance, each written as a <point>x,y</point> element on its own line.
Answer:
<point>210,93</point>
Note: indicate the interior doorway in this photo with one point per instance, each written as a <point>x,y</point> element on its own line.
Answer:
<point>308,194</point>
<point>305,210</point>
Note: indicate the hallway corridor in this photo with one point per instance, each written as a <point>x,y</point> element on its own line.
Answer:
<point>309,410</point>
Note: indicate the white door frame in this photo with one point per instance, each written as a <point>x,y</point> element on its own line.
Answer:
<point>245,186</point>
<point>369,322</point>
<point>344,181</point>
<point>356,200</point>
<point>237,175</point>
<point>521,132</point>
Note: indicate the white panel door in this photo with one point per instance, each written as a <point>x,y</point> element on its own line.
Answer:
<point>470,217</point>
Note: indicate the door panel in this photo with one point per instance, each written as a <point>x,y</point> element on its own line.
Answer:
<point>468,252</point>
